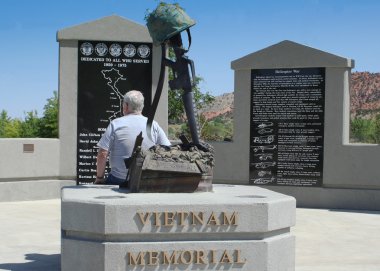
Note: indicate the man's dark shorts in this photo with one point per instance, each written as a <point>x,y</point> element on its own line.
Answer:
<point>112,180</point>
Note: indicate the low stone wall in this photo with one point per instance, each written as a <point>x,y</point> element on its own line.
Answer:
<point>29,158</point>
<point>351,179</point>
<point>32,189</point>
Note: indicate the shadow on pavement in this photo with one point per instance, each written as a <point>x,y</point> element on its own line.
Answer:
<point>355,211</point>
<point>36,262</point>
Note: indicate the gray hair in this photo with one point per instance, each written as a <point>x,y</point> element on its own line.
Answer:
<point>135,101</point>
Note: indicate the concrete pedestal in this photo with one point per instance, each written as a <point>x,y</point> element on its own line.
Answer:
<point>232,228</point>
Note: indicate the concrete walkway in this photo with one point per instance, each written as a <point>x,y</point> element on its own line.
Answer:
<point>30,235</point>
<point>326,240</point>
<point>337,240</point>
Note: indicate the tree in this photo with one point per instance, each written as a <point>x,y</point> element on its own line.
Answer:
<point>365,130</point>
<point>4,121</point>
<point>9,128</point>
<point>176,106</point>
<point>176,109</point>
<point>30,127</point>
<point>376,129</point>
<point>218,129</point>
<point>362,130</point>
<point>12,129</point>
<point>49,121</point>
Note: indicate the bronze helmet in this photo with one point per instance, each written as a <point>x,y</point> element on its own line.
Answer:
<point>166,21</point>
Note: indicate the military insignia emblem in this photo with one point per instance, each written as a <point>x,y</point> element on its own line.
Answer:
<point>101,49</point>
<point>86,48</point>
<point>143,51</point>
<point>115,49</point>
<point>129,50</point>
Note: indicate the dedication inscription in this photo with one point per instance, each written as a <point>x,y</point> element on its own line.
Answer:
<point>106,71</point>
<point>287,126</point>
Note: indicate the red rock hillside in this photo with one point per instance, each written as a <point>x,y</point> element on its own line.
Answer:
<point>365,94</point>
<point>222,106</point>
<point>365,98</point>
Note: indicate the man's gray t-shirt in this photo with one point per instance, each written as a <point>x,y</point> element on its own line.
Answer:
<point>120,136</point>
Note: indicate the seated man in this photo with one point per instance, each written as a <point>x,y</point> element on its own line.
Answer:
<point>119,139</point>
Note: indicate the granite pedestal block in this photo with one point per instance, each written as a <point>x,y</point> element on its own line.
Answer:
<point>232,228</point>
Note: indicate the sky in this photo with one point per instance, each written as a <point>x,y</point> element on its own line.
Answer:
<point>225,31</point>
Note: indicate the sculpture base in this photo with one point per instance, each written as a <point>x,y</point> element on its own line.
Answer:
<point>176,169</point>
<point>232,228</point>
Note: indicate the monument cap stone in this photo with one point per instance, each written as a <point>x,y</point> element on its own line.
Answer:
<point>290,54</point>
<point>112,28</point>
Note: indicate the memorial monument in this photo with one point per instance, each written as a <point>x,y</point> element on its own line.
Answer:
<point>180,168</point>
<point>231,227</point>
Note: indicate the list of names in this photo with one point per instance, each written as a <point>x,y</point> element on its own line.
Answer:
<point>106,71</point>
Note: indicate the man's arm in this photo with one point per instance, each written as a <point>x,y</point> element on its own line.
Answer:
<point>101,160</point>
<point>162,139</point>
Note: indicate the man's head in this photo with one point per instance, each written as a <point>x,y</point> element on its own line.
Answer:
<point>133,102</point>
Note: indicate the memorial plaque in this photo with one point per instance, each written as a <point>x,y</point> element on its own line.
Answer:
<point>287,126</point>
<point>106,71</point>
